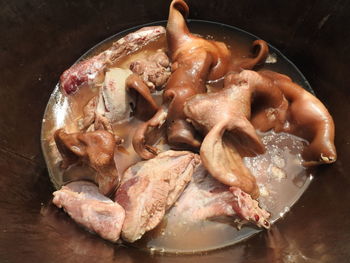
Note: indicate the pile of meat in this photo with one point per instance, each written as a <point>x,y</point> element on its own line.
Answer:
<point>208,131</point>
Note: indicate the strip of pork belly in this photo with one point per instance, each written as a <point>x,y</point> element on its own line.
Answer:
<point>90,71</point>
<point>206,198</point>
<point>151,187</point>
<point>88,207</point>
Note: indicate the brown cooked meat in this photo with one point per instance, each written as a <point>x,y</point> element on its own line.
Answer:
<point>225,119</point>
<point>96,149</point>
<point>308,118</point>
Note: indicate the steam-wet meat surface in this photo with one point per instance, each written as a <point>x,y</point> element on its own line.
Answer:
<point>308,118</point>
<point>96,149</point>
<point>145,105</point>
<point>154,70</point>
<point>206,198</point>
<point>88,207</point>
<point>90,71</point>
<point>224,118</point>
<point>151,187</point>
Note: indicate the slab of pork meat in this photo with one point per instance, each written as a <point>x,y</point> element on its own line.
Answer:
<point>205,197</point>
<point>88,207</point>
<point>154,70</point>
<point>149,188</point>
<point>89,71</point>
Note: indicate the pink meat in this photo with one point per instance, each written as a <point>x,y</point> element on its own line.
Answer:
<point>206,198</point>
<point>89,70</point>
<point>151,187</point>
<point>99,214</point>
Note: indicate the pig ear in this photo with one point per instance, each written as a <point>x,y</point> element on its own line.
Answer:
<point>145,106</point>
<point>148,133</point>
<point>224,162</point>
<point>96,149</point>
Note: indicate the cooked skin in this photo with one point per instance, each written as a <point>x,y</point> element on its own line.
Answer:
<point>261,52</point>
<point>145,105</point>
<point>194,61</point>
<point>96,149</point>
<point>308,118</point>
<point>206,198</point>
<point>90,71</point>
<point>193,58</point>
<point>150,187</point>
<point>88,207</point>
<point>154,70</point>
<point>141,136</point>
<point>269,105</point>
<point>224,118</point>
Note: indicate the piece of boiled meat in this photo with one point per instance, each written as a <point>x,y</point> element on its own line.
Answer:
<point>88,207</point>
<point>154,70</point>
<point>120,89</point>
<point>91,70</point>
<point>205,198</point>
<point>96,149</point>
<point>114,102</point>
<point>149,188</point>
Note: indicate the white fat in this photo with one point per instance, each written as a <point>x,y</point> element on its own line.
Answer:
<point>114,99</point>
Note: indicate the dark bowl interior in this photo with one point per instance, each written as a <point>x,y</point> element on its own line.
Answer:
<point>40,39</point>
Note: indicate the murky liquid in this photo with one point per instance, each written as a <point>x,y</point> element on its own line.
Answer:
<point>280,176</point>
<point>281,179</point>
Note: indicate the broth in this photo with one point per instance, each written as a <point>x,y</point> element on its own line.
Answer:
<point>279,172</point>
